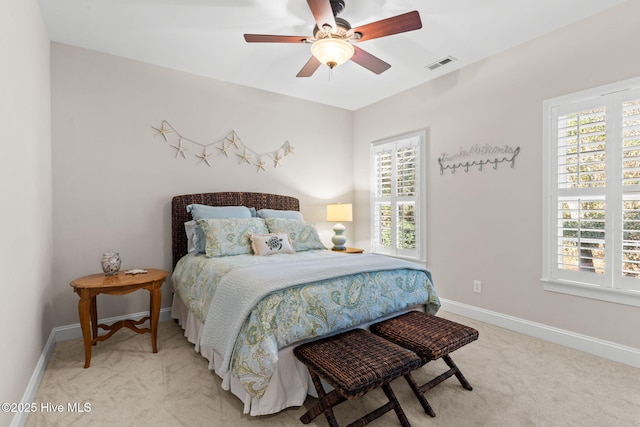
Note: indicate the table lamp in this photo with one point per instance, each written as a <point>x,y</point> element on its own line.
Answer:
<point>339,213</point>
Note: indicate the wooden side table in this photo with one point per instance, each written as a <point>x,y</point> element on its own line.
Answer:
<point>89,287</point>
<point>350,251</point>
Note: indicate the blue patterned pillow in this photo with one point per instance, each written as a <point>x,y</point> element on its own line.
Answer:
<point>230,236</point>
<point>209,212</point>
<point>304,235</point>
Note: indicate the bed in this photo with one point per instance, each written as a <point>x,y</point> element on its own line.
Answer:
<point>245,313</point>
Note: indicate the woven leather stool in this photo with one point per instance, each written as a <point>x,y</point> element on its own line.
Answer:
<point>355,362</point>
<point>432,338</point>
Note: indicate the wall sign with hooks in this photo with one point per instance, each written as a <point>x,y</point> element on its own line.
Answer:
<point>478,155</point>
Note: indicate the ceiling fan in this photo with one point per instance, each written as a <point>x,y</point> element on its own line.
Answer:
<point>332,36</point>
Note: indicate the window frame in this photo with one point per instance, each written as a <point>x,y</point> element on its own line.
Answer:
<point>420,253</point>
<point>579,284</point>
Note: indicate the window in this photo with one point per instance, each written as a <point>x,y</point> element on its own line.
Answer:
<point>591,229</point>
<point>398,224</point>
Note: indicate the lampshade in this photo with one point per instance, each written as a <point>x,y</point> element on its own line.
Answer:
<point>332,52</point>
<point>339,212</point>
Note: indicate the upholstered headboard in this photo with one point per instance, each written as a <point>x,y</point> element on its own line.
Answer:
<point>179,214</point>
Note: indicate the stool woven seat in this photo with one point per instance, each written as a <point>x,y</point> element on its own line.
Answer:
<point>432,338</point>
<point>354,363</point>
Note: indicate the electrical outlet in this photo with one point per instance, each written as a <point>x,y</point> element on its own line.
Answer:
<point>477,286</point>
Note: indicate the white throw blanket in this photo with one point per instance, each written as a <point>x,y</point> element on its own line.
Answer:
<point>240,290</point>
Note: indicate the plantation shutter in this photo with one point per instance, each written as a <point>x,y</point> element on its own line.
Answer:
<point>383,228</point>
<point>591,193</point>
<point>406,198</point>
<point>396,176</point>
<point>582,176</point>
<point>630,157</point>
<point>597,198</point>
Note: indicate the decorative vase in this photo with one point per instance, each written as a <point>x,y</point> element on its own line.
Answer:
<point>110,263</point>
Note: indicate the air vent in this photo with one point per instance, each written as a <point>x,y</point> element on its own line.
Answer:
<point>440,63</point>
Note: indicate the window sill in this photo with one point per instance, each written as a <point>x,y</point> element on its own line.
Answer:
<point>593,292</point>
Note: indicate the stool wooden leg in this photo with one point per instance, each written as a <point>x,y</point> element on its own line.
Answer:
<point>404,422</point>
<point>457,372</point>
<point>325,404</point>
<point>420,395</point>
<point>377,413</point>
<point>419,391</point>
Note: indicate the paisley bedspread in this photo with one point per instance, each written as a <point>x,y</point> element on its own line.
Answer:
<point>300,312</point>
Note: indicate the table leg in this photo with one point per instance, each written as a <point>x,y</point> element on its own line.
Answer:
<point>84,307</point>
<point>154,314</point>
<point>94,319</point>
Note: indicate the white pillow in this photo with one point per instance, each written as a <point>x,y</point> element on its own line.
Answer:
<point>276,213</point>
<point>207,212</point>
<point>270,244</point>
<point>192,236</point>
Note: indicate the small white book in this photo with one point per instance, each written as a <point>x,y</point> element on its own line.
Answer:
<point>135,271</point>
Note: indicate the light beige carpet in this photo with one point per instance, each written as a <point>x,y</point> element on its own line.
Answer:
<point>517,380</point>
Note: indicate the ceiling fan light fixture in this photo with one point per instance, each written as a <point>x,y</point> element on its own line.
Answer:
<point>332,52</point>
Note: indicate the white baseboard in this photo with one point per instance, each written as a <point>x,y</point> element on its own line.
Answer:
<point>606,349</point>
<point>64,333</point>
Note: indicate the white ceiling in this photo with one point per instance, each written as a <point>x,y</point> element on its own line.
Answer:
<point>205,37</point>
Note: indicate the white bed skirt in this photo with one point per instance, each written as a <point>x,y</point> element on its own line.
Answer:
<point>290,383</point>
<point>288,386</point>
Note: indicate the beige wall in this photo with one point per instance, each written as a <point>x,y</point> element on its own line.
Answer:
<point>114,178</point>
<point>25,188</point>
<point>487,225</point>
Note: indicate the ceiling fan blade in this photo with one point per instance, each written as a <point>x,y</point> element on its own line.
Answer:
<point>309,68</point>
<point>397,24</point>
<point>322,13</point>
<point>268,38</point>
<point>368,61</point>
